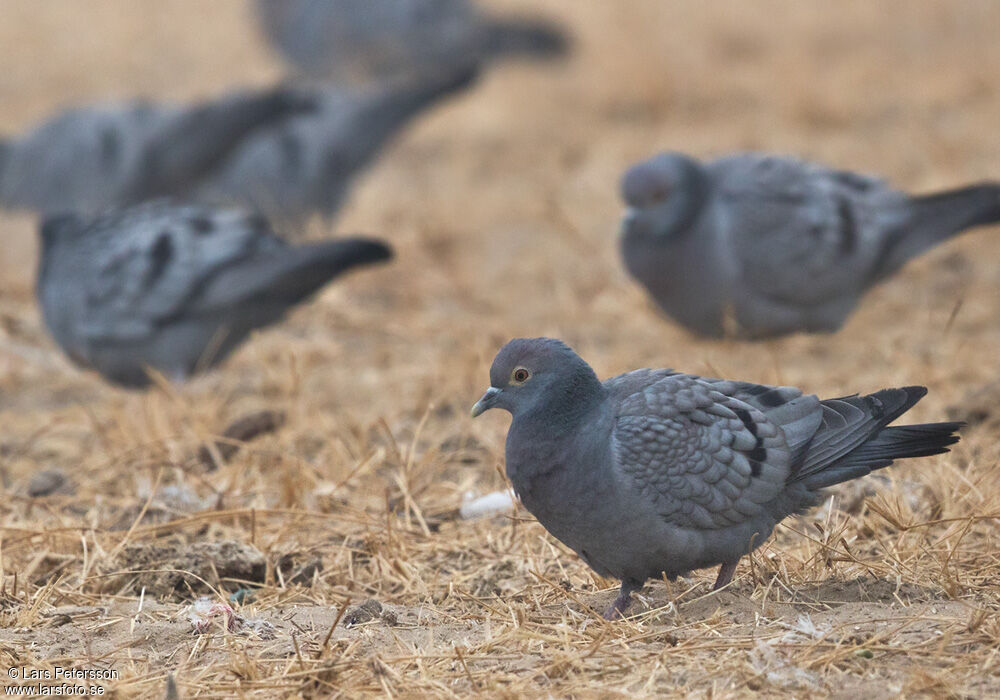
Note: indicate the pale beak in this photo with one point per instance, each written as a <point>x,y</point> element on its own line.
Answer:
<point>487,401</point>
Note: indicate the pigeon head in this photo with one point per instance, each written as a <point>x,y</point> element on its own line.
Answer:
<point>663,194</point>
<point>529,374</point>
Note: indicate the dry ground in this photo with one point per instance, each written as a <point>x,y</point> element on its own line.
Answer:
<point>503,207</point>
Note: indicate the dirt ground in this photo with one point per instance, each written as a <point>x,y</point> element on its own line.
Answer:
<point>503,207</point>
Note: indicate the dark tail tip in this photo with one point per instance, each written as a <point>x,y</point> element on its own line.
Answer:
<point>922,440</point>
<point>305,268</point>
<point>887,446</point>
<point>887,405</point>
<point>913,395</point>
<point>399,104</point>
<point>288,100</point>
<point>531,38</point>
<point>360,250</point>
<point>454,81</point>
<point>961,208</point>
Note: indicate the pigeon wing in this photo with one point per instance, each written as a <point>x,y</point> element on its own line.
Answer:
<point>82,159</point>
<point>154,260</point>
<point>801,233</point>
<point>307,163</point>
<point>707,453</point>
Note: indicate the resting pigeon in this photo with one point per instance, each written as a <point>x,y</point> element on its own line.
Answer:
<point>305,165</point>
<point>175,287</point>
<point>757,246</point>
<point>655,472</point>
<point>377,40</point>
<point>90,158</point>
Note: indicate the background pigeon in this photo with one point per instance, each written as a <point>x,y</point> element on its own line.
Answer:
<point>757,245</point>
<point>173,287</point>
<point>656,473</point>
<point>87,159</point>
<point>305,165</point>
<point>366,40</point>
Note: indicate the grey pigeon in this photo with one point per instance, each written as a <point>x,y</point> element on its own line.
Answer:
<point>90,158</point>
<point>377,40</point>
<point>655,473</point>
<point>173,287</point>
<point>757,246</point>
<point>306,164</point>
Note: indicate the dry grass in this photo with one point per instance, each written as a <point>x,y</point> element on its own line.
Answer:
<point>503,208</point>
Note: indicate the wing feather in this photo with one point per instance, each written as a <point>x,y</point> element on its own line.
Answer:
<point>151,261</point>
<point>706,452</point>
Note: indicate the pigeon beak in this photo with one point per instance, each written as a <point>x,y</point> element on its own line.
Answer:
<point>636,221</point>
<point>487,401</point>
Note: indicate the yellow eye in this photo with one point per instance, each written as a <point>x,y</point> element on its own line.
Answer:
<point>520,375</point>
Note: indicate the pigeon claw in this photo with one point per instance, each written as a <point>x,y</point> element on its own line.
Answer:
<point>622,602</point>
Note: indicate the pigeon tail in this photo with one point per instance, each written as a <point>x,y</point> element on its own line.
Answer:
<point>525,37</point>
<point>382,118</point>
<point>871,445</point>
<point>397,106</point>
<point>894,443</point>
<point>290,276</point>
<point>200,139</point>
<point>936,217</point>
<point>955,210</point>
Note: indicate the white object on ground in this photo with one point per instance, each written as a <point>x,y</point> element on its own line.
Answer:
<point>484,506</point>
<point>206,609</point>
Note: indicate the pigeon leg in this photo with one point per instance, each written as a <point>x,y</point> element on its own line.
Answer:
<point>623,600</point>
<point>726,572</point>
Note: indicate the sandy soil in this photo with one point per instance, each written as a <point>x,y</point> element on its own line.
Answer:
<point>503,207</point>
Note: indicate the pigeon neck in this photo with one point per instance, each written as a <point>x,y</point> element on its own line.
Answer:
<point>571,401</point>
<point>685,206</point>
<point>545,441</point>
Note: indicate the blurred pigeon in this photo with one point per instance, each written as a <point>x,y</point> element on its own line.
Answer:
<point>656,473</point>
<point>90,158</point>
<point>375,40</point>
<point>306,164</point>
<point>756,245</point>
<point>175,287</point>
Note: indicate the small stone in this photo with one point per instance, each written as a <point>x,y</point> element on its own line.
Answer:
<point>244,429</point>
<point>46,483</point>
<point>366,612</point>
<point>390,618</point>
